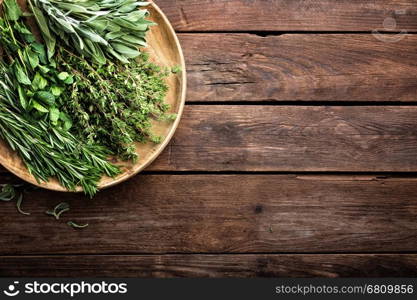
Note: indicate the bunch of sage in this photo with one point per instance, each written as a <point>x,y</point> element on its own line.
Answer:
<point>96,29</point>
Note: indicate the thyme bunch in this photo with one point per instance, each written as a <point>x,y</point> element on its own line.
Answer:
<point>114,105</point>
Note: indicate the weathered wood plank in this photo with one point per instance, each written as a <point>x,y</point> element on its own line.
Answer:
<point>293,138</point>
<point>214,266</point>
<point>288,15</point>
<point>222,214</point>
<point>294,67</point>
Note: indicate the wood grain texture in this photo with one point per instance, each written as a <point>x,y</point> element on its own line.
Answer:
<point>222,214</point>
<point>293,138</point>
<point>300,67</point>
<point>288,15</point>
<point>211,266</point>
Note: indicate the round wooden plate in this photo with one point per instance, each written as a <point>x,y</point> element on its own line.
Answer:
<point>165,50</point>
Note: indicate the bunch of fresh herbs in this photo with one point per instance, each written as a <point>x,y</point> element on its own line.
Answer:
<point>65,110</point>
<point>38,82</point>
<point>50,151</point>
<point>97,29</point>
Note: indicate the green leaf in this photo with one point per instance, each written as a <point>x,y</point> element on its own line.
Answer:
<point>66,119</point>
<point>54,114</point>
<point>43,69</point>
<point>123,22</point>
<point>43,25</point>
<point>56,90</point>
<point>22,97</point>
<point>118,56</point>
<point>39,107</point>
<point>136,15</point>
<point>126,51</point>
<point>40,50</point>
<point>63,75</point>
<point>134,40</point>
<point>112,27</point>
<point>65,25</point>
<point>91,35</point>
<point>73,8</point>
<point>32,58</point>
<point>21,75</point>
<point>99,25</point>
<point>114,35</point>
<point>69,80</point>
<point>176,69</point>
<point>25,33</point>
<point>12,10</point>
<point>45,97</point>
<point>39,83</point>
<point>128,8</point>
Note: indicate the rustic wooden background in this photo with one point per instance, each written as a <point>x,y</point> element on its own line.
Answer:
<point>297,156</point>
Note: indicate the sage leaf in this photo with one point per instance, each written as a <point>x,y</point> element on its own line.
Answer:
<point>43,25</point>
<point>126,51</point>
<point>12,10</point>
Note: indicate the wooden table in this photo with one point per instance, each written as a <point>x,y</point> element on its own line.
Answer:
<point>296,156</point>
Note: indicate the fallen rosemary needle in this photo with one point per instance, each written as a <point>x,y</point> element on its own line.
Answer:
<point>8,193</point>
<point>77,226</point>
<point>19,206</point>
<point>58,210</point>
